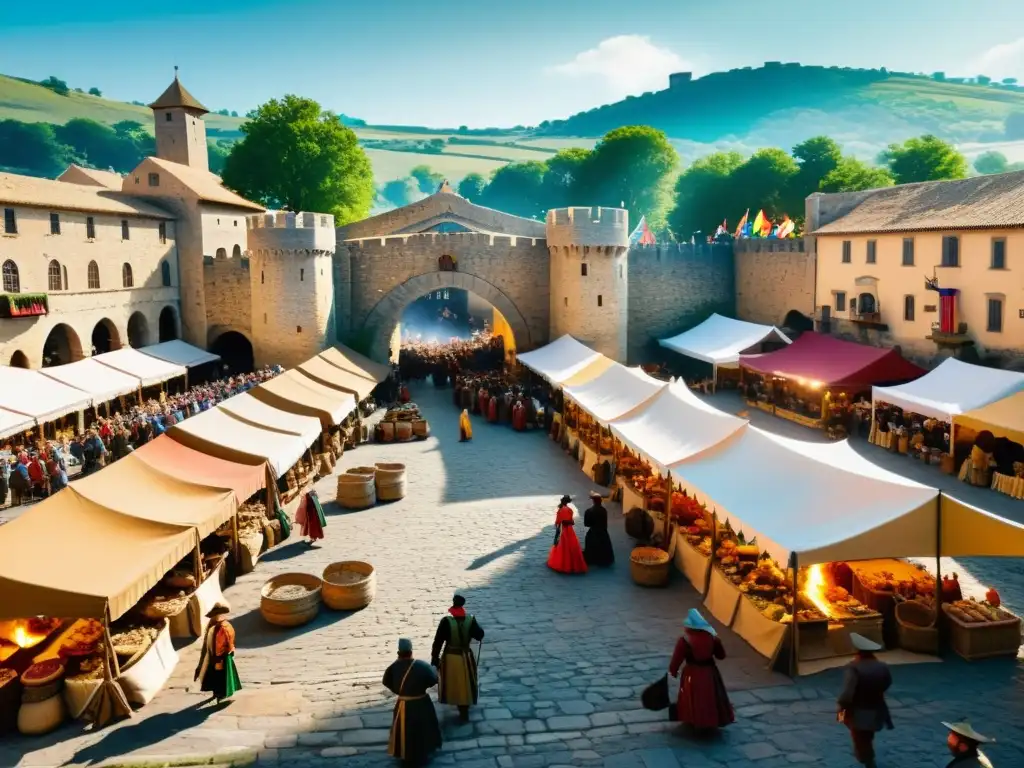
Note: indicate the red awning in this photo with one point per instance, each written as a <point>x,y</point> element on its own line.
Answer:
<point>174,459</point>
<point>834,363</point>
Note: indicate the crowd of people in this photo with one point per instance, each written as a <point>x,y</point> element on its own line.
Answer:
<point>32,469</point>
<point>444,361</point>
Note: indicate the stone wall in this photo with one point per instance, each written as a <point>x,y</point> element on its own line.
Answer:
<point>673,288</point>
<point>772,279</point>
<point>228,297</point>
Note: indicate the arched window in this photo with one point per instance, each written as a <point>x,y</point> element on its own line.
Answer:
<point>54,276</point>
<point>64,274</point>
<point>94,276</point>
<point>12,282</point>
<point>165,274</point>
<point>221,253</point>
<point>127,279</point>
<point>236,252</point>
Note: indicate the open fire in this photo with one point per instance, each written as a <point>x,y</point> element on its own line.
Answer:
<point>815,589</point>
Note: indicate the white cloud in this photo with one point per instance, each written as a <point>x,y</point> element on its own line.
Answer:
<point>628,64</point>
<point>1003,60</point>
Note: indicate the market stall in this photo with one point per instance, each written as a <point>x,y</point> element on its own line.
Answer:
<point>146,368</point>
<point>12,423</point>
<point>178,352</point>
<point>30,393</point>
<point>720,341</point>
<point>817,380</point>
<point>1004,419</point>
<point>564,359</point>
<point>295,392</point>
<point>100,382</point>
<point>247,408</point>
<point>348,359</point>
<point>322,372</point>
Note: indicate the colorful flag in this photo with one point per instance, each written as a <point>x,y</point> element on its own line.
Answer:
<point>642,235</point>
<point>742,224</point>
<point>766,227</point>
<point>787,227</point>
<point>723,229</point>
<point>759,221</point>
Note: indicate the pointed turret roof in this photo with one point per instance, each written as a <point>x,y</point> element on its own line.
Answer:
<point>176,95</point>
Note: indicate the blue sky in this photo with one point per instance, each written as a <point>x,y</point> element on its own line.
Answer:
<point>503,62</point>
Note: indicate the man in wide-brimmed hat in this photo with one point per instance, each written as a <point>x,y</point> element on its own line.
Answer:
<point>963,741</point>
<point>216,669</point>
<point>862,706</point>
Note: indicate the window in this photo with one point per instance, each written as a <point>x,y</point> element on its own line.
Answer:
<point>154,179</point>
<point>54,223</point>
<point>302,276</point>
<point>998,253</point>
<point>94,276</point>
<point>236,252</point>
<point>167,116</point>
<point>446,295</point>
<point>12,281</point>
<point>908,308</point>
<point>10,223</point>
<point>236,222</point>
<point>165,274</point>
<point>162,231</point>
<point>995,312</point>
<point>90,228</point>
<point>124,229</point>
<point>872,251</point>
<point>583,269</point>
<point>566,301</point>
<point>908,251</point>
<point>620,271</point>
<point>853,306</point>
<point>847,251</point>
<point>221,253</point>
<point>54,277</point>
<point>323,221</point>
<point>298,329</point>
<point>127,279</point>
<point>840,301</point>
<point>600,300</point>
<point>262,277</point>
<point>951,251</point>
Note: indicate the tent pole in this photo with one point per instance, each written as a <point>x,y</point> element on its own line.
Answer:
<point>114,666</point>
<point>938,559</point>
<point>668,510</point>
<point>197,563</point>
<point>796,631</point>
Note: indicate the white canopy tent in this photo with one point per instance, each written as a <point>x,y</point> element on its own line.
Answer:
<point>178,352</point>
<point>560,360</point>
<point>30,393</point>
<point>951,389</point>
<point>100,382</point>
<point>615,392</point>
<point>14,423</point>
<point>247,408</point>
<point>675,425</point>
<point>147,369</point>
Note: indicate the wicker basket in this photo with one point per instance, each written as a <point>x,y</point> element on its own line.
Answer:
<point>349,595</point>
<point>166,608</point>
<point>984,640</point>
<point>361,471</point>
<point>916,627</point>
<point>390,482</point>
<point>421,429</point>
<point>356,491</point>
<point>296,611</point>
<point>649,566</point>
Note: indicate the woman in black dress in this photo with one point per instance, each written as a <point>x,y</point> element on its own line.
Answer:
<point>598,544</point>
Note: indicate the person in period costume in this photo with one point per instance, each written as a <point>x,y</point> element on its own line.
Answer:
<point>566,555</point>
<point>492,409</point>
<point>454,659</point>
<point>310,516</point>
<point>216,670</point>
<point>415,732</point>
<point>963,741</point>
<point>598,544</point>
<point>519,416</point>
<point>465,427</point>
<point>862,706</point>
<point>703,701</point>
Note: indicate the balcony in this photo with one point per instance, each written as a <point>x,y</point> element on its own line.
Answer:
<point>954,340</point>
<point>19,305</point>
<point>872,320</point>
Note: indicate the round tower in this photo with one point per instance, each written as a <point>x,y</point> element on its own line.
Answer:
<point>291,274</point>
<point>589,250</point>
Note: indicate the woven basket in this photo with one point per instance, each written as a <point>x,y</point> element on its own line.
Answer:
<point>390,482</point>
<point>296,611</point>
<point>36,693</point>
<point>355,491</point>
<point>361,471</point>
<point>649,566</point>
<point>916,627</point>
<point>349,596</point>
<point>166,608</point>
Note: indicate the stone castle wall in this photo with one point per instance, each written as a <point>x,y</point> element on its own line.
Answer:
<point>228,297</point>
<point>773,278</point>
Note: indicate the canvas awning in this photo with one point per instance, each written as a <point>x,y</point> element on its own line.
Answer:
<point>68,557</point>
<point>217,434</point>
<point>1003,418</point>
<point>30,393</point>
<point>675,425</point>
<point>350,360</point>
<point>721,340</point>
<point>951,389</point>
<point>560,360</point>
<point>615,392</point>
<point>968,531</point>
<point>147,369</point>
<point>135,488</point>
<point>245,407</point>
<point>179,461</point>
<point>297,393</point>
<point>14,423</point>
<point>178,352</point>
<point>826,361</point>
<point>100,382</point>
<point>323,372</point>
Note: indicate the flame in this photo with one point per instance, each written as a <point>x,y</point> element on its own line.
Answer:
<point>22,638</point>
<point>814,589</point>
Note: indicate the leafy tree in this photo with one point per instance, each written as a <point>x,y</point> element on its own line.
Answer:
<point>472,186</point>
<point>517,188</point>
<point>401,192</point>
<point>94,91</point>
<point>562,177</point>
<point>32,147</point>
<point>766,180</point>
<point>926,158</point>
<point>297,155</point>
<point>983,79</point>
<point>990,162</point>
<point>233,113</point>
<point>101,146</point>
<point>57,86</point>
<point>1014,126</point>
<point>705,194</point>
<point>1009,81</point>
<point>218,154</point>
<point>428,179</point>
<point>853,175</point>
<point>817,158</point>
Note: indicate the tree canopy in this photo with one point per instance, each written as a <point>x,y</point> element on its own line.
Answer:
<point>472,186</point>
<point>925,158</point>
<point>517,188</point>
<point>427,179</point>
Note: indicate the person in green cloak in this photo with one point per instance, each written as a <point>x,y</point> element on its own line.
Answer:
<point>216,668</point>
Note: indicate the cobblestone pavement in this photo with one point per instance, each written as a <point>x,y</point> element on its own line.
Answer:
<point>563,663</point>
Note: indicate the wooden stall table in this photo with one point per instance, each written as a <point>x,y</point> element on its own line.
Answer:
<point>883,602</point>
<point>1011,485</point>
<point>722,598</point>
<point>828,639</point>
<point>764,635</point>
<point>798,418</point>
<point>692,564</point>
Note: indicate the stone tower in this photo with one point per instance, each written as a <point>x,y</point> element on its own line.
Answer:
<point>179,126</point>
<point>589,250</point>
<point>290,271</point>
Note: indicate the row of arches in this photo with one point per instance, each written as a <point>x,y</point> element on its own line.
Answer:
<point>57,276</point>
<point>236,252</point>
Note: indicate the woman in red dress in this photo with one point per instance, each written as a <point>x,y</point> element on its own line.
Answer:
<point>566,556</point>
<point>703,701</point>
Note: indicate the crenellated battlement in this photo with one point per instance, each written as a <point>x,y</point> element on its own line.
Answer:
<point>578,227</point>
<point>588,215</point>
<point>289,231</point>
<point>679,251</point>
<point>455,240</point>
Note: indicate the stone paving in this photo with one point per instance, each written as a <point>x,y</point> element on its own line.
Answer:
<point>563,663</point>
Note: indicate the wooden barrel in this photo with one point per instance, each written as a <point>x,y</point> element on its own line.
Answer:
<point>295,611</point>
<point>421,429</point>
<point>349,585</point>
<point>403,431</point>
<point>356,491</point>
<point>390,482</point>
<point>387,431</point>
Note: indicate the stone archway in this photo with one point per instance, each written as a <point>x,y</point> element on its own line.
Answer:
<point>105,337</point>
<point>138,330</point>
<point>168,324</point>
<point>235,351</point>
<point>62,346</point>
<point>19,359</point>
<point>381,321</point>
<point>797,321</point>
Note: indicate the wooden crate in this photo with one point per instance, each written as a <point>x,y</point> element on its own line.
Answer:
<point>983,640</point>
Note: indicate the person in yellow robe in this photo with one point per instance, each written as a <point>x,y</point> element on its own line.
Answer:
<point>465,428</point>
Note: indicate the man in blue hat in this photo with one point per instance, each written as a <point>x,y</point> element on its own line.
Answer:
<point>415,732</point>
